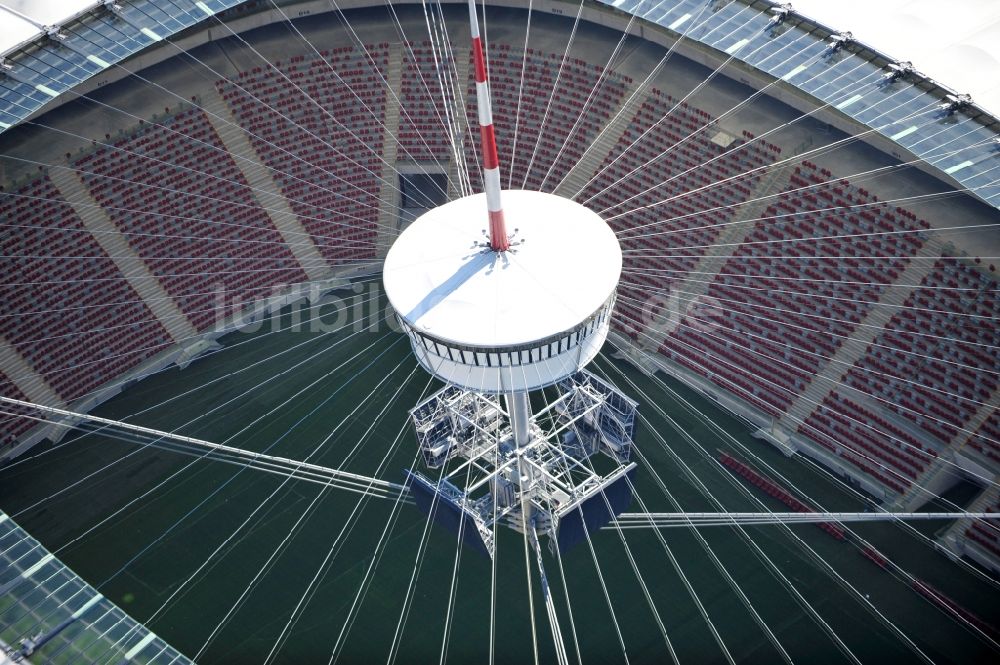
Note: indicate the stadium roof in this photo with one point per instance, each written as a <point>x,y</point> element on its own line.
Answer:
<point>962,144</point>
<point>96,38</point>
<point>957,43</point>
<point>41,597</point>
<point>800,51</point>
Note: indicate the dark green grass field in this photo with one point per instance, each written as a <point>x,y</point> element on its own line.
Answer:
<point>177,541</point>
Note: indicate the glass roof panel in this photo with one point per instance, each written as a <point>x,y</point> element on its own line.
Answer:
<point>844,79</point>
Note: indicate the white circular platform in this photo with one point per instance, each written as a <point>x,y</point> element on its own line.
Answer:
<point>452,292</point>
<point>563,264</point>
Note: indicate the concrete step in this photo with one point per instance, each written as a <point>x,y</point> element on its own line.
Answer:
<point>463,79</point>
<point>23,375</point>
<point>978,418</point>
<point>832,372</point>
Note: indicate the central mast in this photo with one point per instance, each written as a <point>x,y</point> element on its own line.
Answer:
<point>518,404</point>
<point>495,322</point>
<point>499,241</point>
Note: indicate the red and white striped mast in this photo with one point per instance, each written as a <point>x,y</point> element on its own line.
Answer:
<point>492,326</point>
<point>518,405</point>
<point>499,241</point>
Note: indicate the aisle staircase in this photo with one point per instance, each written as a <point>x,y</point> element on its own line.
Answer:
<point>265,190</point>
<point>832,372</point>
<point>464,80</point>
<point>963,436</point>
<point>389,200</point>
<point>131,265</point>
<point>607,138</point>
<point>23,375</point>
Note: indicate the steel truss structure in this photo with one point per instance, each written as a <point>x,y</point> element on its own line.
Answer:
<point>486,479</point>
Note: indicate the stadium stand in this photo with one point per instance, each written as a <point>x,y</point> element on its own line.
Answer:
<point>324,149</point>
<point>786,291</point>
<point>788,298</point>
<point>66,307</point>
<point>949,334</point>
<point>209,242</point>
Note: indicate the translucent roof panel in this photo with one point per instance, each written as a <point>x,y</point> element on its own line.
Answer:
<point>848,80</point>
<point>957,43</point>
<point>42,602</point>
<point>34,75</point>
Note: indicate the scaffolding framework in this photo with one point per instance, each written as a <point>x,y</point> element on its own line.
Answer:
<point>549,485</point>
